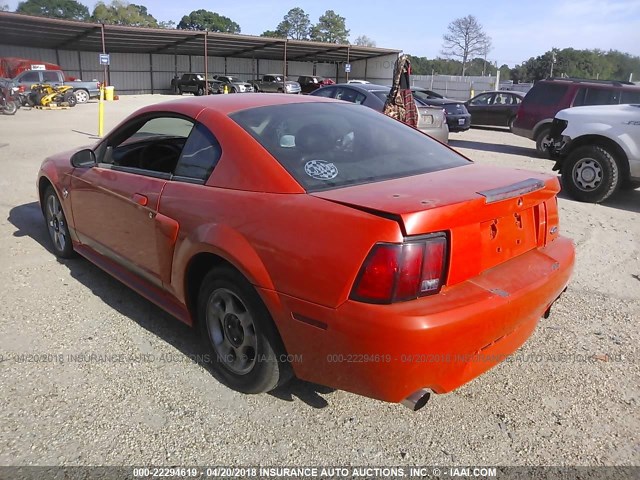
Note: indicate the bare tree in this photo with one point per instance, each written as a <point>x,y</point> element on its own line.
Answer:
<point>364,41</point>
<point>465,37</point>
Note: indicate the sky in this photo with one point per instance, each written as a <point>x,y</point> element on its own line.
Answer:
<point>519,30</point>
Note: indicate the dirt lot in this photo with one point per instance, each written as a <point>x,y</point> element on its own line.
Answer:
<point>570,396</point>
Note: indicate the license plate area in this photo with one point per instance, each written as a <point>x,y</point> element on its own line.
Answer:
<point>461,121</point>
<point>507,237</point>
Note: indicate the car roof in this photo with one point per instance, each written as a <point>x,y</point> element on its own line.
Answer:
<point>369,87</point>
<point>515,92</point>
<point>228,104</point>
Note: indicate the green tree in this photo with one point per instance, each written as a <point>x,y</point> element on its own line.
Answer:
<point>364,41</point>
<point>330,28</point>
<point>68,9</point>
<point>119,12</point>
<point>206,20</point>
<point>295,25</point>
<point>465,38</point>
<point>272,34</point>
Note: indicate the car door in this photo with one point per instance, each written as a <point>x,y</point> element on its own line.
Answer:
<point>29,78</point>
<point>478,108</point>
<point>499,111</point>
<point>115,202</point>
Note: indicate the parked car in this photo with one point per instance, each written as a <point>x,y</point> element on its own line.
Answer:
<point>309,83</point>
<point>273,83</point>
<point>496,109</point>
<point>597,149</point>
<point>408,250</point>
<point>432,120</point>
<point>194,83</point>
<point>458,118</point>
<point>548,97</point>
<point>234,84</point>
<point>83,91</point>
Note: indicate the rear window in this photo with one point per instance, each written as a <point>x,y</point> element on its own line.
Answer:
<point>331,145</point>
<point>546,94</point>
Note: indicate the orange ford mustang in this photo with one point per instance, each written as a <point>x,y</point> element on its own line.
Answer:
<point>311,237</point>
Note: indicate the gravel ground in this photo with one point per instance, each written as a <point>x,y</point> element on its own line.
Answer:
<point>568,397</point>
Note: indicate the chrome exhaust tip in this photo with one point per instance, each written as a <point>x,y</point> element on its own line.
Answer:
<point>417,400</point>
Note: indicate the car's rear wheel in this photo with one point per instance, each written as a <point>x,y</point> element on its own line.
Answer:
<point>238,332</point>
<point>234,90</point>
<point>57,224</point>
<point>82,96</point>
<point>542,140</point>
<point>590,174</point>
<point>200,91</point>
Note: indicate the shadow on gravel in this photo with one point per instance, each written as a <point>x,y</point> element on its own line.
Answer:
<point>623,199</point>
<point>28,221</point>
<point>494,147</point>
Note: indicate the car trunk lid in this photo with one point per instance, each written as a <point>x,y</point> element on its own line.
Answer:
<point>490,214</point>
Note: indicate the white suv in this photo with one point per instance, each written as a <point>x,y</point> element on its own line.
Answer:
<point>597,149</point>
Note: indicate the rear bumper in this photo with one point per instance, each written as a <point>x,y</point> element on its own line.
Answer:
<point>453,121</point>
<point>439,342</point>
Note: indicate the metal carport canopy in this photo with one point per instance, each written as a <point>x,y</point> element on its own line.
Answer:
<point>40,32</point>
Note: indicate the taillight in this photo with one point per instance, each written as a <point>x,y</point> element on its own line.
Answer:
<point>399,272</point>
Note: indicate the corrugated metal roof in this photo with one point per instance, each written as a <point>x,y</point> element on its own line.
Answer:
<point>40,32</point>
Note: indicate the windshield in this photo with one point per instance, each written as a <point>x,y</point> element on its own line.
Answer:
<point>331,145</point>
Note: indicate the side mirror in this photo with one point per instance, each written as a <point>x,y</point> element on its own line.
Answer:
<point>84,158</point>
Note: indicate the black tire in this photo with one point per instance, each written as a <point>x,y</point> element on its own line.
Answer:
<point>180,92</point>
<point>56,223</point>
<point>10,108</point>
<point>200,92</point>
<point>542,137</point>
<point>590,174</point>
<point>70,98</point>
<point>234,90</point>
<point>232,318</point>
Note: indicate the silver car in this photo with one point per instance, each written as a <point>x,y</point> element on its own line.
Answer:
<point>234,84</point>
<point>432,120</point>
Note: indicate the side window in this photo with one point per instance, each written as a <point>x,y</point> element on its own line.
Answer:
<point>269,78</point>
<point>630,96</point>
<point>600,96</point>
<point>349,95</point>
<point>31,77</point>
<point>153,145</point>
<point>199,155</point>
<point>517,100</point>
<point>50,77</point>
<point>484,99</point>
<point>502,99</point>
<point>328,92</point>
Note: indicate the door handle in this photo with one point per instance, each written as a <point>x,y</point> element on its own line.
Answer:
<point>140,199</point>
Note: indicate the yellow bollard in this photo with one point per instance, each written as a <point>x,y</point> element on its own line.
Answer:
<point>226,89</point>
<point>101,112</point>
